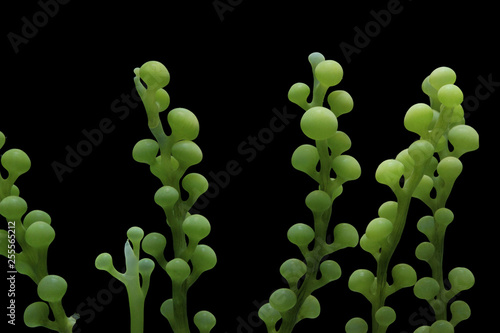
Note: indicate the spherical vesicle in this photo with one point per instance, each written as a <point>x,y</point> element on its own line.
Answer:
<point>203,258</point>
<point>166,196</point>
<point>196,227</point>
<point>345,235</point>
<point>340,102</point>
<point>389,172</point>
<point>40,235</point>
<point>347,167</point>
<point>318,201</point>
<point>204,321</point>
<point>379,229</point>
<point>426,288</point>
<point>418,118</point>
<point>16,162</point>
<point>319,123</point>
<point>385,316</point>
<point>187,153</point>
<point>13,207</point>
<point>145,151</point>
<point>52,288</point>
<point>305,158</point>
<point>36,216</point>
<point>450,95</point>
<point>404,276</point>
<point>329,73</point>
<point>464,138</point>
<point>283,299</point>
<point>154,74</point>
<point>292,270</point>
<point>178,270</point>
<point>461,278</point>
<point>154,244</point>
<point>300,234</point>
<point>36,314</point>
<point>298,94</point>
<point>442,76</point>
<point>184,124</point>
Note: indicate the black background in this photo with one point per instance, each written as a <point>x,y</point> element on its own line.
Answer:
<point>233,68</point>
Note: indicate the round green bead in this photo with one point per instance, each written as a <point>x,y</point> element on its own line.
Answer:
<point>36,216</point>
<point>442,326</point>
<point>166,196</point>
<point>329,73</point>
<point>310,309</point>
<point>418,118</point>
<point>318,201</point>
<point>305,158</point>
<point>162,99</point>
<point>463,138</point>
<point>196,227</point>
<point>16,162</point>
<point>203,258</point>
<point>340,102</point>
<point>330,270</point>
<point>40,235</point>
<point>299,93</point>
<point>426,288</point>
<point>178,270</point>
<point>205,321</point>
<point>420,151</point>
<point>404,276</point>
<point>319,123</point>
<point>443,216</point>
<point>460,311</point>
<point>13,207</point>
<point>339,143</point>
<point>269,315</point>
<point>292,270</point>
<point>389,172</point>
<point>135,234</point>
<point>184,124</point>
<point>388,210</point>
<point>187,152</point>
<point>154,244</point>
<point>154,74</point>
<point>283,299</point>
<point>356,325</point>
<point>300,234</point>
<point>104,262</point>
<point>346,167</point>
<point>361,281</point>
<point>385,316</point>
<point>461,278</point>
<point>36,314</point>
<point>52,288</point>
<point>345,235</point>
<point>145,151</point>
<point>442,76</point>
<point>425,251</point>
<point>379,229</point>
<point>450,95</point>
<point>195,183</point>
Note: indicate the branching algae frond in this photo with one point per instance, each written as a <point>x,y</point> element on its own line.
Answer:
<point>169,157</point>
<point>320,124</point>
<point>426,165</point>
<point>33,234</point>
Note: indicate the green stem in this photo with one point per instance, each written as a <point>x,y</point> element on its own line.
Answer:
<point>403,199</point>
<point>64,324</point>
<point>179,296</point>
